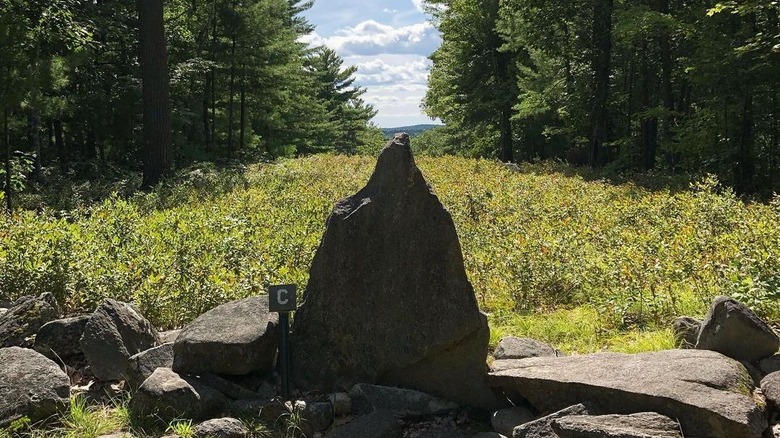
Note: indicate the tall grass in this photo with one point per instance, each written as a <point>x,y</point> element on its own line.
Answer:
<point>538,242</point>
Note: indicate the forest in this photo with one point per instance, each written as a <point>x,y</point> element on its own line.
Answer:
<point>90,87</point>
<point>685,86</point>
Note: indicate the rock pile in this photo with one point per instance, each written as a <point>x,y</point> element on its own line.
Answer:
<point>390,343</point>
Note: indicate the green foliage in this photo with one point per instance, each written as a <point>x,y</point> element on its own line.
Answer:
<point>90,421</point>
<point>181,428</point>
<point>537,241</point>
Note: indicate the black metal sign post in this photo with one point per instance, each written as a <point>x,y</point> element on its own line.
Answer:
<point>283,299</point>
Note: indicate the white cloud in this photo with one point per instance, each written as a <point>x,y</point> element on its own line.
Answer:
<point>371,37</point>
<point>418,4</point>
<point>390,11</point>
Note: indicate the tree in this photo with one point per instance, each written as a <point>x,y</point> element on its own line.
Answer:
<point>347,114</point>
<point>156,104</point>
<point>472,81</point>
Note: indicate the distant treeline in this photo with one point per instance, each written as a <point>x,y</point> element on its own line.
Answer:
<point>413,130</point>
<point>692,85</point>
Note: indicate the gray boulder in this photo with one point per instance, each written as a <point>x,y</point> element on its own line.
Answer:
<point>401,402</point>
<point>317,416</point>
<point>505,420</point>
<point>31,386</point>
<point>641,425</point>
<point>379,424</point>
<point>686,331</point>
<point>512,347</point>
<point>734,330</point>
<point>542,427</point>
<point>221,428</point>
<point>770,387</point>
<point>388,301</point>
<point>141,365</point>
<point>235,338</point>
<point>769,364</point>
<point>25,317</point>
<point>342,403</point>
<point>61,339</point>
<point>114,332</point>
<point>709,393</point>
<point>166,396</point>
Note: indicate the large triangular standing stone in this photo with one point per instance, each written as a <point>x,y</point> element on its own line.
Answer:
<point>388,300</point>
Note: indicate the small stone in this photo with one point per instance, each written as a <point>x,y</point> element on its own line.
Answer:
<point>342,403</point>
<point>770,386</point>
<point>504,421</point>
<point>686,331</point>
<point>317,416</point>
<point>140,366</point>
<point>221,428</point>
<point>166,396</point>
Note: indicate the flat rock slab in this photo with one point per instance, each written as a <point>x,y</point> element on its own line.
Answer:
<point>402,402</point>
<point>512,347</point>
<point>379,424</point>
<point>542,427</point>
<point>234,338</point>
<point>641,425</point>
<point>710,394</point>
<point>734,330</point>
<point>114,332</point>
<point>388,300</point>
<point>31,386</point>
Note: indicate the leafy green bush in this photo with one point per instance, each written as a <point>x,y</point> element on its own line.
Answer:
<point>536,240</point>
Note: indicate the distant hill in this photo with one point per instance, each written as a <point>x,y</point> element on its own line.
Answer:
<point>414,130</point>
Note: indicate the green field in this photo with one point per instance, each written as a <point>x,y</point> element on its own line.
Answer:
<point>584,263</point>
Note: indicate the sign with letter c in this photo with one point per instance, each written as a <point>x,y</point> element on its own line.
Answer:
<point>282,298</point>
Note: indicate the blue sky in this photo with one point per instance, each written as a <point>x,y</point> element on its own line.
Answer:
<point>389,42</point>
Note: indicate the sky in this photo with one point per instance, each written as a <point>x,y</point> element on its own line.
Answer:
<point>389,41</point>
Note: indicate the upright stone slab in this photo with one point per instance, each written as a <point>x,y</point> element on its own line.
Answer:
<point>388,300</point>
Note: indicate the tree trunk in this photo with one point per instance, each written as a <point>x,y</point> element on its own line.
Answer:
<point>9,206</point>
<point>231,92</point>
<point>242,104</point>
<point>745,163</point>
<point>649,137</point>
<point>206,125</point>
<point>34,137</point>
<point>507,154</point>
<point>213,74</point>
<point>602,55</point>
<point>59,141</point>
<point>156,103</point>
